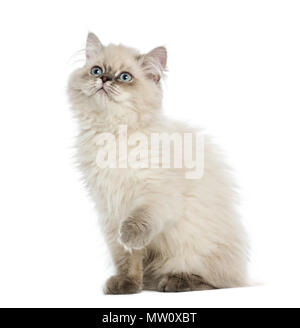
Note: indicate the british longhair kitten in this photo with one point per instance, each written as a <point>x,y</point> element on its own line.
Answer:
<point>169,228</point>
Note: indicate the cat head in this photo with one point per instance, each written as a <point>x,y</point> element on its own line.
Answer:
<point>118,81</point>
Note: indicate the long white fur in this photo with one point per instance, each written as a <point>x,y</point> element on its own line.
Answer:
<point>196,228</point>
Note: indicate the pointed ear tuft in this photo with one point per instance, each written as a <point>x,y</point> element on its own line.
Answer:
<point>93,46</point>
<point>154,63</point>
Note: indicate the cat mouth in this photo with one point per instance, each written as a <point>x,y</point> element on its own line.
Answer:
<point>102,91</point>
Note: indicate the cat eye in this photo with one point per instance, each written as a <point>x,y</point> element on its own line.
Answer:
<point>125,77</point>
<point>96,71</point>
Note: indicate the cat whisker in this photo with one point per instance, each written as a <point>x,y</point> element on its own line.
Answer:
<point>78,53</point>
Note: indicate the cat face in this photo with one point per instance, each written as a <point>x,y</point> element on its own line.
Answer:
<point>118,78</point>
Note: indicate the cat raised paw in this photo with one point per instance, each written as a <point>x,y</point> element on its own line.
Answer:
<point>135,233</point>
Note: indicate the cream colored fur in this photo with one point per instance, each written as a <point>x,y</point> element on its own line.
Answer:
<point>195,227</point>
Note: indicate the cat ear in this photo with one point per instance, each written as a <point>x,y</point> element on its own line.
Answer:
<point>93,46</point>
<point>154,63</point>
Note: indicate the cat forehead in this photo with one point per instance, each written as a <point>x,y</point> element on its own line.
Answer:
<point>119,57</point>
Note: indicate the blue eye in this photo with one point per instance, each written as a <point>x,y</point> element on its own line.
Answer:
<point>96,71</point>
<point>125,77</point>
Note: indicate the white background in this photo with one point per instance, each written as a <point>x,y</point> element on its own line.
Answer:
<point>234,68</point>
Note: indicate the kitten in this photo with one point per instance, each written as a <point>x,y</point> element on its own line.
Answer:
<point>165,232</point>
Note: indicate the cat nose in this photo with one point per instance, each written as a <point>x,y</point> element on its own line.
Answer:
<point>105,78</point>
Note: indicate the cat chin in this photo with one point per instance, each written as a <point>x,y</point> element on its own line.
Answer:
<point>102,99</point>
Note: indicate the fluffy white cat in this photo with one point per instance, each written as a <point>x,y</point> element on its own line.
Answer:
<point>165,232</point>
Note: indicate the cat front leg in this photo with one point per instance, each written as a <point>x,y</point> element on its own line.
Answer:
<point>129,276</point>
